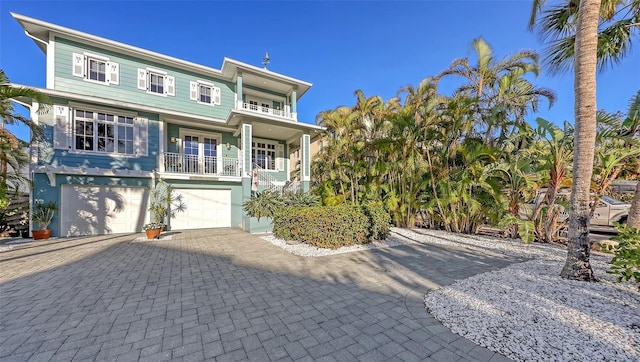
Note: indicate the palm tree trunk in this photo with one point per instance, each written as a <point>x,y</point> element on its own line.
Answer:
<point>634,213</point>
<point>578,266</point>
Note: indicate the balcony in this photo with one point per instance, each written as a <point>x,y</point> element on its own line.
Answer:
<point>201,165</point>
<point>259,110</point>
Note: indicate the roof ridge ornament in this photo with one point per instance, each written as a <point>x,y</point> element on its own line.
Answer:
<point>266,59</point>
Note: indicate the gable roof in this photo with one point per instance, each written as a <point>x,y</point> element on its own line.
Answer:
<point>41,31</point>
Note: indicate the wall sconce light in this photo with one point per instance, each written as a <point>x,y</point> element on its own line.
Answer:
<point>228,146</point>
<point>172,140</point>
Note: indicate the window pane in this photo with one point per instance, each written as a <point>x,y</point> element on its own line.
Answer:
<point>88,144</point>
<point>129,147</point>
<point>156,83</point>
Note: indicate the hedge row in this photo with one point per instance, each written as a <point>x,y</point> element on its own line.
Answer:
<point>331,226</point>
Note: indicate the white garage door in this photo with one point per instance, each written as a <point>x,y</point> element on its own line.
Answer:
<point>204,209</point>
<point>95,210</point>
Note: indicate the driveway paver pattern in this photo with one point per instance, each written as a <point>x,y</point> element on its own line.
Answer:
<point>225,295</point>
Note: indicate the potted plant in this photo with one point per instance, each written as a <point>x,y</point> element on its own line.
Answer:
<point>162,202</point>
<point>42,214</point>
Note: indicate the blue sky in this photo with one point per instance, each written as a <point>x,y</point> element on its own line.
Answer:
<point>339,46</point>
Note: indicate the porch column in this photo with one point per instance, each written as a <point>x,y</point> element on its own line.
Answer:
<point>294,101</point>
<point>247,162</point>
<point>305,158</point>
<point>239,88</point>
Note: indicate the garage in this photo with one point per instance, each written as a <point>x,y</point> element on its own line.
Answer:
<point>96,210</point>
<point>204,209</point>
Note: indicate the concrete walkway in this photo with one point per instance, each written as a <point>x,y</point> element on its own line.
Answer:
<point>226,295</point>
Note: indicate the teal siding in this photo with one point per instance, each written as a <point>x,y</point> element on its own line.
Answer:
<point>127,89</point>
<point>248,133</point>
<point>49,156</point>
<point>306,155</point>
<point>173,130</point>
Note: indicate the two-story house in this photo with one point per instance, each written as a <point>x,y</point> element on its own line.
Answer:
<point>124,118</point>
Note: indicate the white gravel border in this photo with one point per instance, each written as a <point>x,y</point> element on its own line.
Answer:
<point>312,251</point>
<point>525,311</point>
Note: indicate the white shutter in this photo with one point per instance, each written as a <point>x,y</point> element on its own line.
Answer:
<point>78,64</point>
<point>279,157</point>
<point>193,91</point>
<point>141,142</point>
<point>170,83</point>
<point>215,96</point>
<point>142,79</point>
<point>62,128</point>
<point>113,73</point>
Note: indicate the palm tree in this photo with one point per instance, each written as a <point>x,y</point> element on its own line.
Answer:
<point>9,94</point>
<point>578,265</point>
<point>554,159</point>
<point>616,149</point>
<point>631,126</point>
<point>504,96</point>
<point>588,34</point>
<point>618,20</point>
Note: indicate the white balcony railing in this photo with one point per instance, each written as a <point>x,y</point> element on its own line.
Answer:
<point>201,165</point>
<point>266,110</point>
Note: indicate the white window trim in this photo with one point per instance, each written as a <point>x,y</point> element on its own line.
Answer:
<point>73,150</point>
<point>273,142</point>
<point>87,107</point>
<point>101,58</point>
<point>164,85</point>
<point>208,84</point>
<point>201,135</point>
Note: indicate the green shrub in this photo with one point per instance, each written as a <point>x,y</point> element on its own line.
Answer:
<point>322,226</point>
<point>263,204</point>
<point>379,220</point>
<point>626,259</point>
<point>300,199</point>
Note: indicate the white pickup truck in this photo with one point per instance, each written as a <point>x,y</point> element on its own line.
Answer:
<point>607,212</point>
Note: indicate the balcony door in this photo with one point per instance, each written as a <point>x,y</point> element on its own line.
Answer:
<point>200,152</point>
<point>259,105</point>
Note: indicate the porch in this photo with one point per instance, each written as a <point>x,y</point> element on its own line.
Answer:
<point>201,165</point>
<point>264,109</point>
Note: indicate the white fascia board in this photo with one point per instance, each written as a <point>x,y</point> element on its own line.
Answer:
<point>266,72</point>
<point>276,121</point>
<point>120,104</point>
<point>100,42</point>
<point>92,171</point>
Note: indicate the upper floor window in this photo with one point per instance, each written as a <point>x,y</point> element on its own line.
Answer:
<point>100,132</point>
<point>204,92</point>
<point>156,82</point>
<point>96,68</point>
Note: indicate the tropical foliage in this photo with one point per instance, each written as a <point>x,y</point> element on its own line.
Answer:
<point>13,157</point>
<point>461,160</point>
<point>626,259</point>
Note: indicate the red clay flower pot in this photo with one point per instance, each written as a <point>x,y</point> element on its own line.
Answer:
<point>41,234</point>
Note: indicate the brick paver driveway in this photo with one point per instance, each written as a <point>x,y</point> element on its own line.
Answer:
<point>226,295</point>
